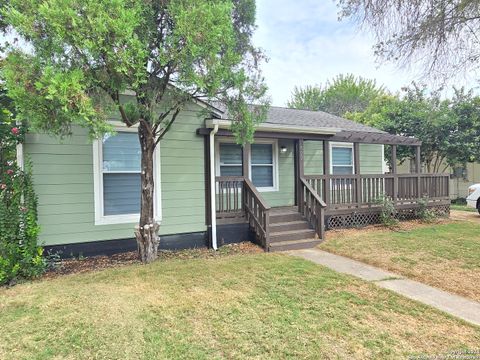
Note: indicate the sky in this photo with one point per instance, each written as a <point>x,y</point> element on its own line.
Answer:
<point>307,45</point>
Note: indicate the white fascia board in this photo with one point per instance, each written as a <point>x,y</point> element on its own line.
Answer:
<point>225,124</point>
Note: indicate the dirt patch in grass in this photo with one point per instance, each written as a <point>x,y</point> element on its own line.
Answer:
<point>445,254</point>
<point>256,306</point>
<point>95,263</point>
<point>462,215</point>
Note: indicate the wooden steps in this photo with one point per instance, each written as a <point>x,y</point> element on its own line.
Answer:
<point>290,231</point>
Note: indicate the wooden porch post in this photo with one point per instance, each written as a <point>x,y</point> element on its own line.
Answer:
<point>358,180</point>
<point>301,172</point>
<point>246,156</point>
<point>418,169</point>
<point>245,171</point>
<point>326,171</point>
<point>394,172</point>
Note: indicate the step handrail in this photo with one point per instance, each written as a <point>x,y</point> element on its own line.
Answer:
<point>312,207</point>
<point>257,212</point>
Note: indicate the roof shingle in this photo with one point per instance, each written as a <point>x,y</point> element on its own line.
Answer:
<point>314,119</point>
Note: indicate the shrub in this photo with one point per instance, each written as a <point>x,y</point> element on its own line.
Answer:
<point>424,213</point>
<point>459,201</point>
<point>388,212</point>
<point>20,256</point>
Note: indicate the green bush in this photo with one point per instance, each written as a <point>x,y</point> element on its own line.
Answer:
<point>424,213</point>
<point>20,255</point>
<point>388,212</point>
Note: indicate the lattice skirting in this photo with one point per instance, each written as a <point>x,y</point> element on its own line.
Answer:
<point>359,219</point>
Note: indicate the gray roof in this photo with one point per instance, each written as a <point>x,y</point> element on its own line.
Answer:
<point>315,119</point>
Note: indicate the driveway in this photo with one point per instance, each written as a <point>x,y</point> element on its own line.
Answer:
<point>465,216</point>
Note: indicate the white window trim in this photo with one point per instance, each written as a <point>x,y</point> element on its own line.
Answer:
<point>273,142</point>
<point>100,218</point>
<point>340,145</point>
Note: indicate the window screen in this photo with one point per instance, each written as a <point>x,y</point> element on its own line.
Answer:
<point>262,165</point>
<point>121,174</point>
<point>342,160</point>
<point>231,160</point>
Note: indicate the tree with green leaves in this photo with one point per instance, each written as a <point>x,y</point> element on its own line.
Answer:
<point>82,55</point>
<point>448,128</point>
<point>342,94</point>
<point>439,35</point>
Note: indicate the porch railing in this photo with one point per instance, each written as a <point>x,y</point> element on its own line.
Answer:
<point>238,197</point>
<point>258,213</point>
<point>365,190</point>
<point>229,195</point>
<point>312,207</point>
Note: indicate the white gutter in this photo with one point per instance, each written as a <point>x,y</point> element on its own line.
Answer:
<point>213,207</point>
<point>279,128</point>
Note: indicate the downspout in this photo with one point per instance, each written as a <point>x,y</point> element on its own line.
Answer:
<point>19,150</point>
<point>213,207</point>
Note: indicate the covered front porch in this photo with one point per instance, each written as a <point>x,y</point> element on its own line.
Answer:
<point>317,181</point>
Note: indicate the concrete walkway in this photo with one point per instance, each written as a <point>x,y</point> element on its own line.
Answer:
<point>455,305</point>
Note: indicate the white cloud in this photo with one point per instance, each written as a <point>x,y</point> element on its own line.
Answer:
<point>306,44</point>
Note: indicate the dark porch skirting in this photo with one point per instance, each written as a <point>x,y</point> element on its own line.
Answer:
<point>350,218</point>
<point>226,234</point>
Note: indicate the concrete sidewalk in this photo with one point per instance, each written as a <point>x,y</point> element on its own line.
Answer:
<point>455,305</point>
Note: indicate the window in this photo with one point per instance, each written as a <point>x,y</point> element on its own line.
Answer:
<point>342,159</point>
<point>262,162</point>
<point>117,178</point>
<point>231,160</point>
<point>262,165</point>
<point>121,174</point>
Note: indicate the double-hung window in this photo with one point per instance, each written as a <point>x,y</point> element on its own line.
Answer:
<point>117,164</point>
<point>121,158</point>
<point>342,159</point>
<point>262,163</point>
<point>262,166</point>
<point>230,160</point>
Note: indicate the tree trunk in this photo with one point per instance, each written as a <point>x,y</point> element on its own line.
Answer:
<point>146,232</point>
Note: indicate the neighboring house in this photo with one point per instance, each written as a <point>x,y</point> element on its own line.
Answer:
<point>210,191</point>
<point>463,177</point>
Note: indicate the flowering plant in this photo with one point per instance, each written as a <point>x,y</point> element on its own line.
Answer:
<point>20,256</point>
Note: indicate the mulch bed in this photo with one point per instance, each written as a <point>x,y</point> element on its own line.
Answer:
<point>94,263</point>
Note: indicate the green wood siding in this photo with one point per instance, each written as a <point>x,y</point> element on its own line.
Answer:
<point>63,175</point>
<point>313,157</point>
<point>285,195</point>
<point>371,158</point>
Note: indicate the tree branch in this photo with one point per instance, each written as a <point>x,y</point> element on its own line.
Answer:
<point>162,134</point>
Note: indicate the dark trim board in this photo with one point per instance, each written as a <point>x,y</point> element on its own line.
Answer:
<point>226,234</point>
<point>110,247</point>
<point>234,233</point>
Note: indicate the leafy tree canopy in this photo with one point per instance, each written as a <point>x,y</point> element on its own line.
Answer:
<point>342,94</point>
<point>80,50</point>
<point>449,129</point>
<point>80,56</point>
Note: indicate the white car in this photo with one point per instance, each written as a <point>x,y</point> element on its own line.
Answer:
<point>473,199</point>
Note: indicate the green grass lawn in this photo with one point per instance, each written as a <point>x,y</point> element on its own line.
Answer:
<point>445,255</point>
<point>234,307</point>
<point>462,208</point>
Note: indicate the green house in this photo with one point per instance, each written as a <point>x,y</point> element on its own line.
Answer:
<point>305,173</point>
